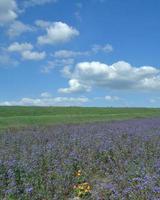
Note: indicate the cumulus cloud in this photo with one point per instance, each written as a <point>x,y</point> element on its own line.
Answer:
<point>26,51</point>
<point>19,47</point>
<point>48,101</point>
<point>118,76</point>
<point>7,11</point>
<point>17,28</point>
<point>75,86</point>
<point>57,32</point>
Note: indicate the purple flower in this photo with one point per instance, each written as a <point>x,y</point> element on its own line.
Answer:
<point>29,189</point>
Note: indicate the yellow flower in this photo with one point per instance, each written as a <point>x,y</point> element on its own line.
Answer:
<point>82,189</point>
<point>78,173</point>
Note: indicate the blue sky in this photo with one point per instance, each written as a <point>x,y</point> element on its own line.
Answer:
<point>78,52</point>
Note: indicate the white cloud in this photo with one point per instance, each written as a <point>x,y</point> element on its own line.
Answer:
<point>99,48</point>
<point>112,98</point>
<point>48,101</point>
<point>95,49</point>
<point>56,63</point>
<point>17,47</point>
<point>26,51</point>
<point>58,32</point>
<point>17,28</point>
<point>66,71</point>
<point>75,87</point>
<point>32,55</point>
<point>7,11</point>
<point>48,67</point>
<point>118,76</point>
<point>43,24</point>
<point>69,54</point>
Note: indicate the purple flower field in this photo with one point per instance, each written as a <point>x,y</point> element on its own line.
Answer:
<point>114,160</point>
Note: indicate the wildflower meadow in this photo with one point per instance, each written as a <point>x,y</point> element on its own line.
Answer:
<point>96,161</point>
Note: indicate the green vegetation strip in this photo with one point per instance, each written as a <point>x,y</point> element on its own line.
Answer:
<point>17,117</point>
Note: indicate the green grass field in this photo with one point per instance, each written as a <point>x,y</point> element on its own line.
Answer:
<point>16,117</point>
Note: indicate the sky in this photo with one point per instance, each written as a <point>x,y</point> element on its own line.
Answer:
<point>80,53</point>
